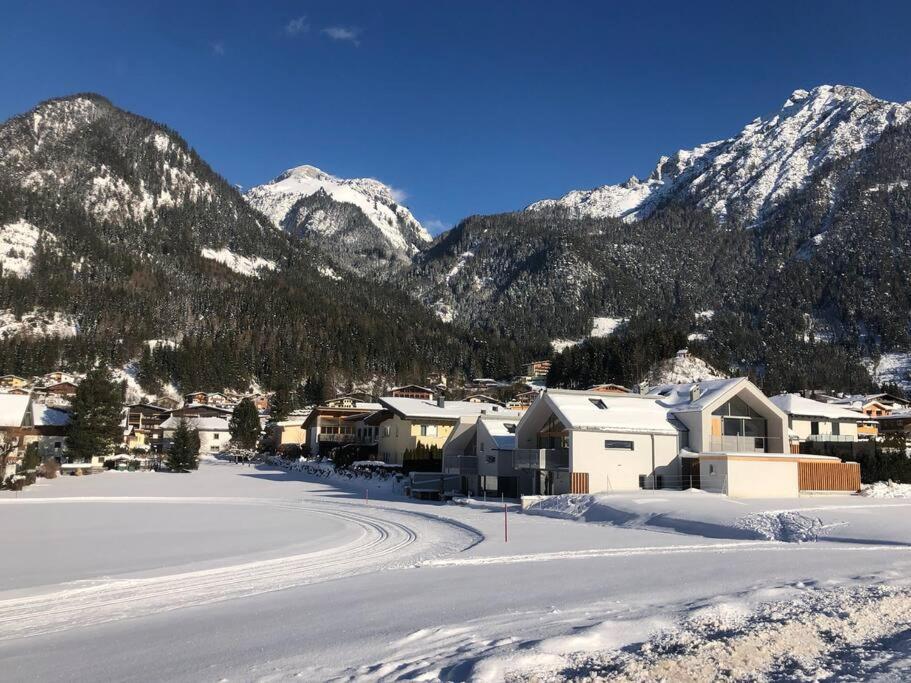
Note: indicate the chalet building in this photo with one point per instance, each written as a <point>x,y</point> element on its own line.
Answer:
<point>897,423</point>
<point>609,389</point>
<point>211,398</point>
<point>57,377</point>
<point>261,401</point>
<point>49,429</point>
<point>483,398</point>
<point>349,400</point>
<point>537,369</point>
<point>214,434</point>
<point>158,440</point>
<point>523,400</point>
<point>814,421</point>
<point>61,389</point>
<point>16,419</point>
<point>168,403</point>
<point>410,422</point>
<point>329,427</point>
<point>718,435</point>
<point>142,424</point>
<point>13,382</point>
<point>480,450</point>
<point>412,391</point>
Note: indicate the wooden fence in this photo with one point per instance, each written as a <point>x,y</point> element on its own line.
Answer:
<point>578,482</point>
<point>828,476</point>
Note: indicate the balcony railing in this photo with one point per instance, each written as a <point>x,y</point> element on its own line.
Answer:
<point>831,437</point>
<point>461,464</point>
<point>540,459</point>
<point>745,444</point>
<point>338,438</point>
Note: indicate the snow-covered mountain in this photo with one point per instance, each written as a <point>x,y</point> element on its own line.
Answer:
<point>359,218</point>
<point>745,176</point>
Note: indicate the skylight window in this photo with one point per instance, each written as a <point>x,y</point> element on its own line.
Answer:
<point>598,403</point>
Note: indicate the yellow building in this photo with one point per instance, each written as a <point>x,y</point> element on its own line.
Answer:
<point>412,422</point>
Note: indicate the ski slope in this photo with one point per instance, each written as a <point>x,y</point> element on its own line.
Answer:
<point>259,574</point>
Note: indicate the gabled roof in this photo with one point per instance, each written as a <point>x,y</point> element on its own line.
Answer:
<point>203,424</point>
<point>412,386</point>
<point>418,408</point>
<point>13,408</point>
<point>595,411</point>
<point>503,437</point>
<point>46,416</point>
<point>678,397</point>
<point>795,404</point>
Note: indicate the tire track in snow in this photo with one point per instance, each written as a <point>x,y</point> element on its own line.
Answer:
<point>379,541</point>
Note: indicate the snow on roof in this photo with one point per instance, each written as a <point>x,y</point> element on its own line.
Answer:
<point>679,396</point>
<point>451,410</point>
<point>595,411</point>
<point>12,409</point>
<point>204,424</point>
<point>503,432</point>
<point>795,404</point>
<point>47,416</point>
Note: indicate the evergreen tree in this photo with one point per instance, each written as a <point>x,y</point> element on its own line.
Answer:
<point>315,390</point>
<point>281,404</point>
<point>32,458</point>
<point>95,424</point>
<point>183,455</point>
<point>244,425</point>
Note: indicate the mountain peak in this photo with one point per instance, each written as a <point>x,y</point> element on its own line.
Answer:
<point>364,212</point>
<point>745,176</point>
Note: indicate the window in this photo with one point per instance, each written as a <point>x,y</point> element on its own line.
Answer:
<point>836,428</point>
<point>482,446</point>
<point>814,428</point>
<point>428,430</point>
<point>385,431</point>
<point>614,444</point>
<point>215,436</point>
<point>598,403</point>
<point>711,469</point>
<point>58,445</point>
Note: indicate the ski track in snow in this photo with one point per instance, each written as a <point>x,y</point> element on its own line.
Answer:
<point>381,543</point>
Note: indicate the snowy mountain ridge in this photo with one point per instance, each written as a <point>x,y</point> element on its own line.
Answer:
<point>743,177</point>
<point>283,200</point>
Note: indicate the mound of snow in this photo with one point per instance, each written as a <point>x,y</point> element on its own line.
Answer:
<point>562,507</point>
<point>886,489</point>
<point>789,526</point>
<point>681,369</point>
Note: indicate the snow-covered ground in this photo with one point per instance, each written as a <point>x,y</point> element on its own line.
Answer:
<point>256,573</point>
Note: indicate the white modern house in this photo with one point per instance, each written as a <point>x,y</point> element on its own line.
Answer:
<point>721,435</point>
<point>810,420</point>
<point>480,449</point>
<point>214,433</point>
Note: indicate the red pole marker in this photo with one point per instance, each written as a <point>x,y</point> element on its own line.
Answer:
<point>366,496</point>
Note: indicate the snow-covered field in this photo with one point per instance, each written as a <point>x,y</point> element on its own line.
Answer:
<point>255,573</point>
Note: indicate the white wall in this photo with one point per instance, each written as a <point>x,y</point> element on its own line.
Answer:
<point>803,427</point>
<point>745,477</point>
<point>618,470</point>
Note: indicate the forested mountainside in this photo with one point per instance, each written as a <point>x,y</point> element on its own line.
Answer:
<point>113,229</point>
<point>798,298</point>
<point>358,221</point>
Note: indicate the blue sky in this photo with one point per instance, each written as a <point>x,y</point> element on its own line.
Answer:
<point>469,107</point>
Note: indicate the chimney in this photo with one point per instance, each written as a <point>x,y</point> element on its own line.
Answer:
<point>695,392</point>
<point>441,400</point>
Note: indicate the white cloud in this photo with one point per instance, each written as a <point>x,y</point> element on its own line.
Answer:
<point>346,33</point>
<point>297,25</point>
<point>218,48</point>
<point>435,226</point>
<point>400,196</point>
